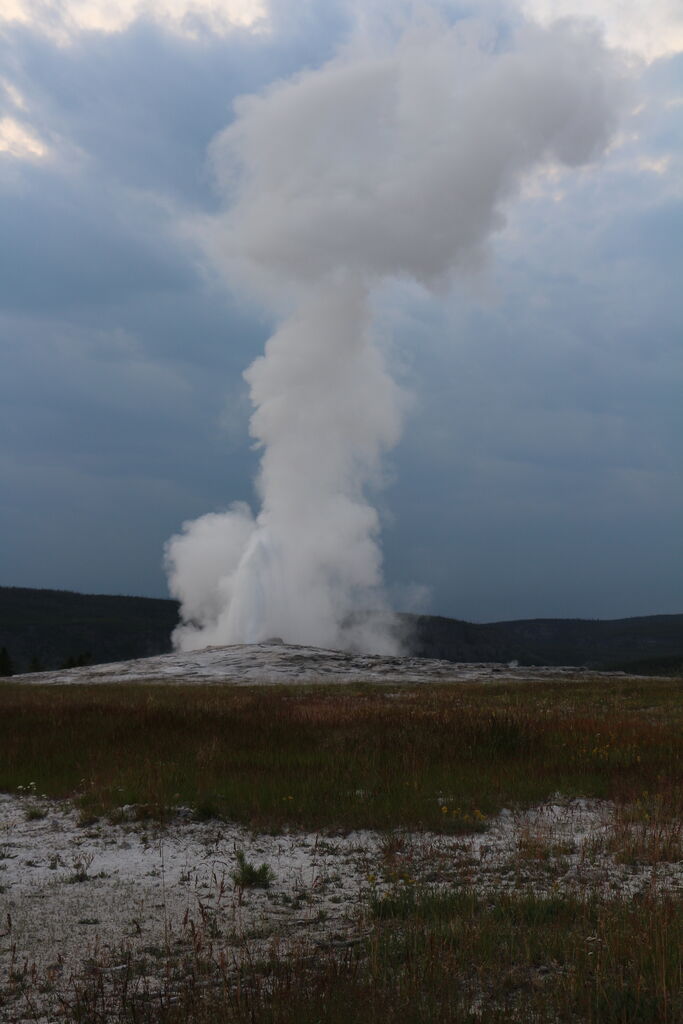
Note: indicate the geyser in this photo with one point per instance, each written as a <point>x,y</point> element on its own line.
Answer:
<point>393,161</point>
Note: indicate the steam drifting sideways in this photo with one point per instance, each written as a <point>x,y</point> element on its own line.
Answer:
<point>393,161</point>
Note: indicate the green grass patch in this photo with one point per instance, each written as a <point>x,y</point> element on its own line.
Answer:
<point>428,757</point>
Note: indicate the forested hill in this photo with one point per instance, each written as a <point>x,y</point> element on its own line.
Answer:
<point>651,644</point>
<point>48,629</point>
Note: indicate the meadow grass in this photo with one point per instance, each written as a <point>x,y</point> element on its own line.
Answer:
<point>442,956</point>
<point>431,757</point>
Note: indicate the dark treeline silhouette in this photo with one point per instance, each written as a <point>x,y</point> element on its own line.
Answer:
<point>648,645</point>
<point>6,664</point>
<point>52,629</point>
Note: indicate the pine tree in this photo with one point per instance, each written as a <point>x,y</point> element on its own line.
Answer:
<point>6,666</point>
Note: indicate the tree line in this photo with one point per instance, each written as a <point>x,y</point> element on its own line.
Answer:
<point>36,665</point>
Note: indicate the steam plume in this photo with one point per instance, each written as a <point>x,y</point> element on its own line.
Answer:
<point>388,163</point>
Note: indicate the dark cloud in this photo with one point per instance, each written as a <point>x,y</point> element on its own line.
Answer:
<point>549,413</point>
<point>67,243</point>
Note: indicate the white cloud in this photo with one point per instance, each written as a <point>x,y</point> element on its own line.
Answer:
<point>13,94</point>
<point>654,165</point>
<point>19,141</point>
<point>650,30</point>
<point>63,21</point>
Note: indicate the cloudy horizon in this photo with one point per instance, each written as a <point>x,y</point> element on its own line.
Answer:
<point>540,472</point>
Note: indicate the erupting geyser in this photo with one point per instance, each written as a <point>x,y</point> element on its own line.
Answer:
<point>386,162</point>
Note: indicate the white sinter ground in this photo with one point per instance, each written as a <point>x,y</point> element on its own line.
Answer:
<point>277,662</point>
<point>82,901</point>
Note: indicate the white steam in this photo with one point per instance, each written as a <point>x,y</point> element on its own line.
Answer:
<point>392,163</point>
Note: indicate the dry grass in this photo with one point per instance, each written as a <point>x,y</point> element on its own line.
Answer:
<point>429,955</point>
<point>648,830</point>
<point>439,758</point>
<point>537,844</point>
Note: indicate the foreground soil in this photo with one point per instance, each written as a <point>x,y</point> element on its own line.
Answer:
<point>83,900</point>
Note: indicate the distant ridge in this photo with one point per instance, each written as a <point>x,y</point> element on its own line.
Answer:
<point>48,629</point>
<point>649,645</point>
<point>51,629</point>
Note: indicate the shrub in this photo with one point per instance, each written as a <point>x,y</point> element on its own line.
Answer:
<point>248,876</point>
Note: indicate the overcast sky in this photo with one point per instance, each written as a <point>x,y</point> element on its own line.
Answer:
<point>540,471</point>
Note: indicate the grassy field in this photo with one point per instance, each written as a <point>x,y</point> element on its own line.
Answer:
<point>442,759</point>
<point>442,957</point>
<point>434,757</point>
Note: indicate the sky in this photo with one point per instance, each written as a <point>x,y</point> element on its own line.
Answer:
<point>540,468</point>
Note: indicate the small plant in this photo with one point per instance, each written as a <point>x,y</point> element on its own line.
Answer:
<point>81,865</point>
<point>535,845</point>
<point>86,818</point>
<point>248,876</point>
<point>35,813</point>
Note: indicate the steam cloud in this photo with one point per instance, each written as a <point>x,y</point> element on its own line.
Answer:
<point>394,161</point>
